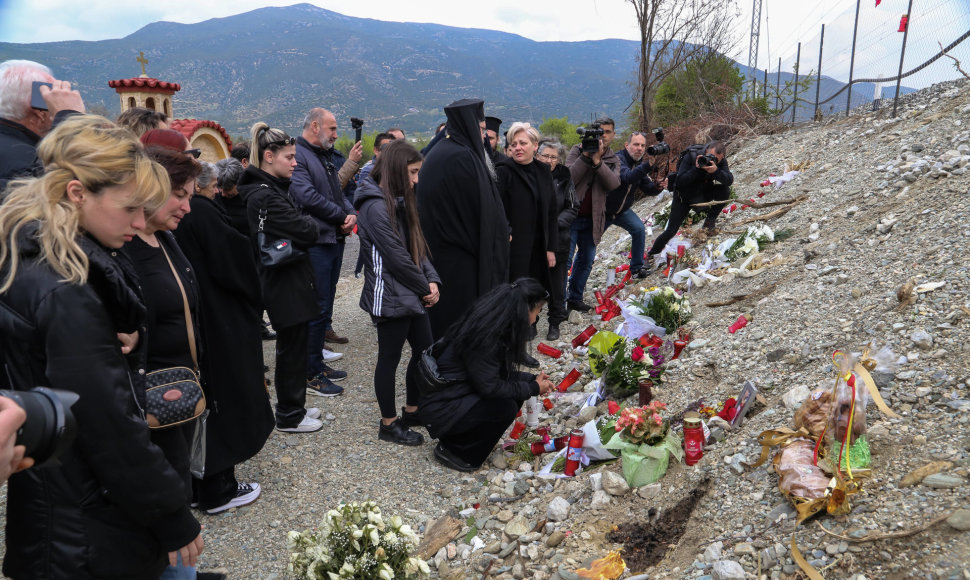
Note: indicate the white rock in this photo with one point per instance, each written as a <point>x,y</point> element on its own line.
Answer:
<point>649,491</point>
<point>794,398</point>
<point>601,499</point>
<point>596,481</point>
<point>922,339</point>
<point>614,484</point>
<point>713,552</point>
<point>558,509</point>
<point>727,570</point>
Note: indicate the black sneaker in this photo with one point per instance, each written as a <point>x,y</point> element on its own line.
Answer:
<point>396,432</point>
<point>410,418</point>
<point>333,374</point>
<point>578,306</point>
<point>246,493</point>
<point>553,332</point>
<point>641,273</point>
<point>452,461</point>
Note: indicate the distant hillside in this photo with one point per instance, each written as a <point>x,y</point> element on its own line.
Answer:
<point>274,64</point>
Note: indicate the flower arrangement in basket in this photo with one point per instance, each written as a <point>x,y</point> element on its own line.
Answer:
<point>665,307</point>
<point>355,541</point>
<point>645,442</point>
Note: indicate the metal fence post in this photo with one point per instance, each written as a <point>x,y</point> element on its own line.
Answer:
<point>778,84</point>
<point>902,55</point>
<point>855,31</point>
<point>794,98</point>
<point>766,87</point>
<point>818,78</point>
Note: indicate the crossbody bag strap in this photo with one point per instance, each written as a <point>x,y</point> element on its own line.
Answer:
<point>190,329</point>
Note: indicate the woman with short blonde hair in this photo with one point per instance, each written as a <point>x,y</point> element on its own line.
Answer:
<point>70,312</point>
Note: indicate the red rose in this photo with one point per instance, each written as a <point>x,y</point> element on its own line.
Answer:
<point>637,354</point>
<point>613,407</point>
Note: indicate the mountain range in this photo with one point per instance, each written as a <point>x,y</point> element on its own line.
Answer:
<point>273,64</point>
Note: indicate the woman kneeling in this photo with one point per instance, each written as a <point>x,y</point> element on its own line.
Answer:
<point>481,351</point>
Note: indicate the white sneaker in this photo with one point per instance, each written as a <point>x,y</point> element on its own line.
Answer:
<point>246,493</point>
<point>330,356</point>
<point>307,425</point>
<point>313,413</point>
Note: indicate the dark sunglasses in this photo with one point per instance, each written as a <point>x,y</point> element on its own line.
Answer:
<point>193,152</point>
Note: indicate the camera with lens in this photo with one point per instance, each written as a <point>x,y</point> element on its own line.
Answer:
<point>662,147</point>
<point>706,160</point>
<point>50,427</point>
<point>357,125</point>
<point>591,137</point>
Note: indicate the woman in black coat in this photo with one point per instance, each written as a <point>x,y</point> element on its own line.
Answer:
<point>528,195</point>
<point>399,281</point>
<point>240,416</point>
<point>481,351</point>
<point>114,507</point>
<point>552,153</point>
<point>288,293</point>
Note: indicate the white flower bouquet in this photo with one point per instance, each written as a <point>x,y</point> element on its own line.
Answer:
<point>354,541</point>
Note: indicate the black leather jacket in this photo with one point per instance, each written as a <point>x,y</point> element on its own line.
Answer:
<point>114,507</point>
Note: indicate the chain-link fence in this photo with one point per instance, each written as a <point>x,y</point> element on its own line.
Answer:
<point>898,39</point>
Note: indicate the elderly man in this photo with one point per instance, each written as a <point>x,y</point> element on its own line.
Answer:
<point>317,186</point>
<point>634,178</point>
<point>22,126</point>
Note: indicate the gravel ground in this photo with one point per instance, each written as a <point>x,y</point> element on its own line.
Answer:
<point>889,202</point>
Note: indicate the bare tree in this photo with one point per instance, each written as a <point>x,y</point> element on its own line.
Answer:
<point>672,32</point>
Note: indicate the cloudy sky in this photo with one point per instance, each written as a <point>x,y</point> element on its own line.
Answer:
<point>784,22</point>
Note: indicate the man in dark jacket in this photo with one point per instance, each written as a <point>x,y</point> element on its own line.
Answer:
<point>492,126</point>
<point>316,187</point>
<point>634,182</point>
<point>595,175</point>
<point>22,126</point>
<point>698,181</point>
<point>462,215</point>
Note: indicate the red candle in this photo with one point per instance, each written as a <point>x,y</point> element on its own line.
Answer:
<point>679,346</point>
<point>740,323</point>
<point>547,404</point>
<point>584,336</point>
<point>629,274</point>
<point>598,295</point>
<point>574,452</point>
<point>693,438</point>
<point>517,430</point>
<point>568,380</point>
<point>548,350</point>
<point>550,446</point>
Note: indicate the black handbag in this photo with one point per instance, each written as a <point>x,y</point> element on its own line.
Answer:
<point>432,379</point>
<point>173,395</point>
<point>277,252</point>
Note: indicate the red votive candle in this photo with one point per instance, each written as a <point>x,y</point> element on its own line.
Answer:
<point>584,336</point>
<point>568,380</point>
<point>517,430</point>
<point>574,452</point>
<point>548,350</point>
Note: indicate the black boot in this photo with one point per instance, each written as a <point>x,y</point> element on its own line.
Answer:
<point>396,432</point>
<point>553,332</point>
<point>410,418</point>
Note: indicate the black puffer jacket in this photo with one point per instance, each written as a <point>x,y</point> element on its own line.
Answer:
<point>288,292</point>
<point>393,283</point>
<point>115,507</point>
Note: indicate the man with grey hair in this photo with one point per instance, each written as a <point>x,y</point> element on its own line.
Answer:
<point>21,125</point>
<point>317,186</point>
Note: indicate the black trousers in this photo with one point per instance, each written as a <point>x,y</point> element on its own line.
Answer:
<point>216,489</point>
<point>391,334</point>
<point>679,211</point>
<point>475,434</point>
<point>291,363</point>
<point>557,288</point>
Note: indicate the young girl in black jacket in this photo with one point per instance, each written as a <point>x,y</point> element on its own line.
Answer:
<point>399,281</point>
<point>482,352</point>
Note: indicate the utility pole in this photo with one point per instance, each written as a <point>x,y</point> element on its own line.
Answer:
<point>753,46</point>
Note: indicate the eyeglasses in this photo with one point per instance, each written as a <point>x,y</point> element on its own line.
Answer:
<point>549,157</point>
<point>282,142</point>
<point>193,152</point>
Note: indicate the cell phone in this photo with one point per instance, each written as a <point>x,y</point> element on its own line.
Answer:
<point>36,99</point>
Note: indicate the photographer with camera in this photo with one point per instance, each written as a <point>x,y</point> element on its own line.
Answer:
<point>702,175</point>
<point>635,171</point>
<point>596,172</point>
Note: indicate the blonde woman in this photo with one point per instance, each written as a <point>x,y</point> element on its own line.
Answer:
<point>114,507</point>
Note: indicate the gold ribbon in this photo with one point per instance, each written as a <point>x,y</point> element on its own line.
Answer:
<point>861,371</point>
<point>773,438</point>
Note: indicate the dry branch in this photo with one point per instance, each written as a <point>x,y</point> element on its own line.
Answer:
<point>956,62</point>
<point>763,291</point>
<point>903,534</point>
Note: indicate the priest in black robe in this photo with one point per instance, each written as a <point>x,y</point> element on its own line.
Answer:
<point>461,214</point>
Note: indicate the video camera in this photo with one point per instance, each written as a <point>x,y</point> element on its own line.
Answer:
<point>358,126</point>
<point>591,137</point>
<point>50,427</point>
<point>661,148</point>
